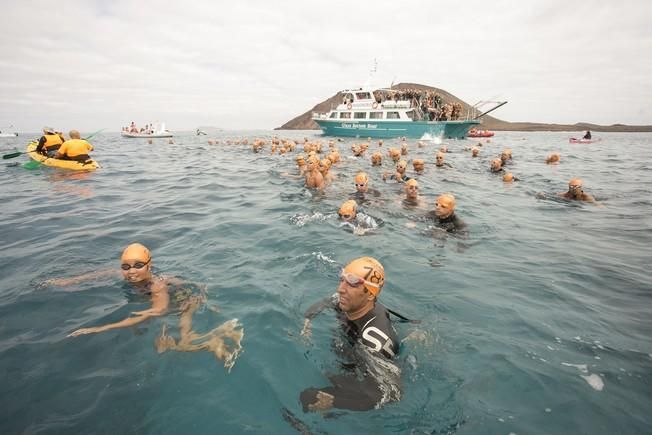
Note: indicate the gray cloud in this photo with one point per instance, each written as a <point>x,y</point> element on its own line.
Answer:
<point>253,65</point>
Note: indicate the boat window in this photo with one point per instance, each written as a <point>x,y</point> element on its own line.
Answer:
<point>363,95</point>
<point>348,98</point>
<point>393,115</point>
<point>376,115</point>
<point>333,115</point>
<point>411,114</point>
<point>345,115</point>
<point>360,115</point>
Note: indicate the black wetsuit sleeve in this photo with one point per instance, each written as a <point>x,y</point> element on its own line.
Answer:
<point>349,393</point>
<point>318,307</point>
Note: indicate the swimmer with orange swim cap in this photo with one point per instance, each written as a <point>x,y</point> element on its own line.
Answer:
<point>360,222</point>
<point>509,177</point>
<point>365,322</point>
<point>575,192</point>
<point>314,179</point>
<point>506,156</point>
<point>440,161</point>
<point>376,159</point>
<point>164,292</point>
<point>496,166</point>
<point>475,152</point>
<point>553,159</point>
<point>418,165</point>
<point>324,168</point>
<point>362,189</point>
<point>399,176</point>
<point>444,216</point>
<point>412,198</point>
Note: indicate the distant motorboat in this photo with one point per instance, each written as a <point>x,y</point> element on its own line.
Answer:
<point>479,133</point>
<point>8,134</point>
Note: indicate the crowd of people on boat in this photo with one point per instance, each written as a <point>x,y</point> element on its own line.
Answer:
<point>429,105</point>
<point>133,128</point>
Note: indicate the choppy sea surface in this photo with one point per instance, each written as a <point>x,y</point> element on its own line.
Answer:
<point>539,323</point>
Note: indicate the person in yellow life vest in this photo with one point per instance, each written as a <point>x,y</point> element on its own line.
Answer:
<point>49,142</point>
<point>74,149</point>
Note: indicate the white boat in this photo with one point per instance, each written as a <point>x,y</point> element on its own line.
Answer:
<point>8,134</point>
<point>159,131</point>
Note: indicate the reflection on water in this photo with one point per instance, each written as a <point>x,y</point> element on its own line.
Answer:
<point>537,323</point>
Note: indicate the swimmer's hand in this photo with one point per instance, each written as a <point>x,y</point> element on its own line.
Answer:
<point>306,331</point>
<point>324,402</point>
<point>84,331</point>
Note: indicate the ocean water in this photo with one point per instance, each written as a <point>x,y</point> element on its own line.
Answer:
<point>539,323</point>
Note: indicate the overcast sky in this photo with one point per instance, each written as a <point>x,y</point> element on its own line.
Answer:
<point>257,64</point>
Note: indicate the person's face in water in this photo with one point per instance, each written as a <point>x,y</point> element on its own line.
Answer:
<point>136,268</point>
<point>411,191</point>
<point>575,189</point>
<point>361,186</point>
<point>444,207</point>
<point>352,296</point>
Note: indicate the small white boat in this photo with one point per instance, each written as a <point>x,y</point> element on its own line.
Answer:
<point>158,131</point>
<point>8,134</point>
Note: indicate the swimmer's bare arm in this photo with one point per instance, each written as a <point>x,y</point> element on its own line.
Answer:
<point>64,282</point>
<point>160,302</point>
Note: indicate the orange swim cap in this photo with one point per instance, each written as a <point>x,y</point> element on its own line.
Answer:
<point>402,164</point>
<point>370,270</point>
<point>361,177</point>
<point>446,200</point>
<point>136,252</point>
<point>411,182</point>
<point>348,208</point>
<point>508,177</point>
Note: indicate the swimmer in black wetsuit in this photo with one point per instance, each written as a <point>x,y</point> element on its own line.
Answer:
<point>445,218</point>
<point>364,322</point>
<point>439,161</point>
<point>399,175</point>
<point>136,269</point>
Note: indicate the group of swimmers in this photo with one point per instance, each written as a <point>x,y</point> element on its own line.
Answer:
<point>371,341</point>
<point>54,144</point>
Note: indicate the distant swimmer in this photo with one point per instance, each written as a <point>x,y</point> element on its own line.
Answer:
<point>360,222</point>
<point>75,148</point>
<point>575,192</point>
<point>324,168</point>
<point>376,159</point>
<point>164,293</point>
<point>362,189</point>
<point>444,215</point>
<point>399,176</point>
<point>314,178</point>
<point>509,177</point>
<point>496,166</point>
<point>587,135</point>
<point>371,343</point>
<point>419,166</point>
<point>475,152</point>
<point>440,161</point>
<point>412,198</point>
<point>49,143</point>
<point>506,156</point>
<point>553,159</point>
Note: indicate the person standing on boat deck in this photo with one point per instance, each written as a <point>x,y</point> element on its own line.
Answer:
<point>575,192</point>
<point>587,136</point>
<point>49,142</point>
<point>136,269</point>
<point>75,148</point>
<point>371,343</point>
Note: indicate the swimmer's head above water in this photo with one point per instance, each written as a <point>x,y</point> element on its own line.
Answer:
<point>136,264</point>
<point>348,210</point>
<point>418,165</point>
<point>412,189</point>
<point>361,181</point>
<point>444,205</point>
<point>360,284</point>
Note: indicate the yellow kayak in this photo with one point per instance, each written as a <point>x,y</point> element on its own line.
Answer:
<point>89,165</point>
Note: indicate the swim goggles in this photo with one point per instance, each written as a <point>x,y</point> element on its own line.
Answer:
<point>355,280</point>
<point>360,184</point>
<point>137,265</point>
<point>579,186</point>
<point>345,215</point>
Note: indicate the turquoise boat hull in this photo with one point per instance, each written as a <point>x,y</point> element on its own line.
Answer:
<point>411,129</point>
